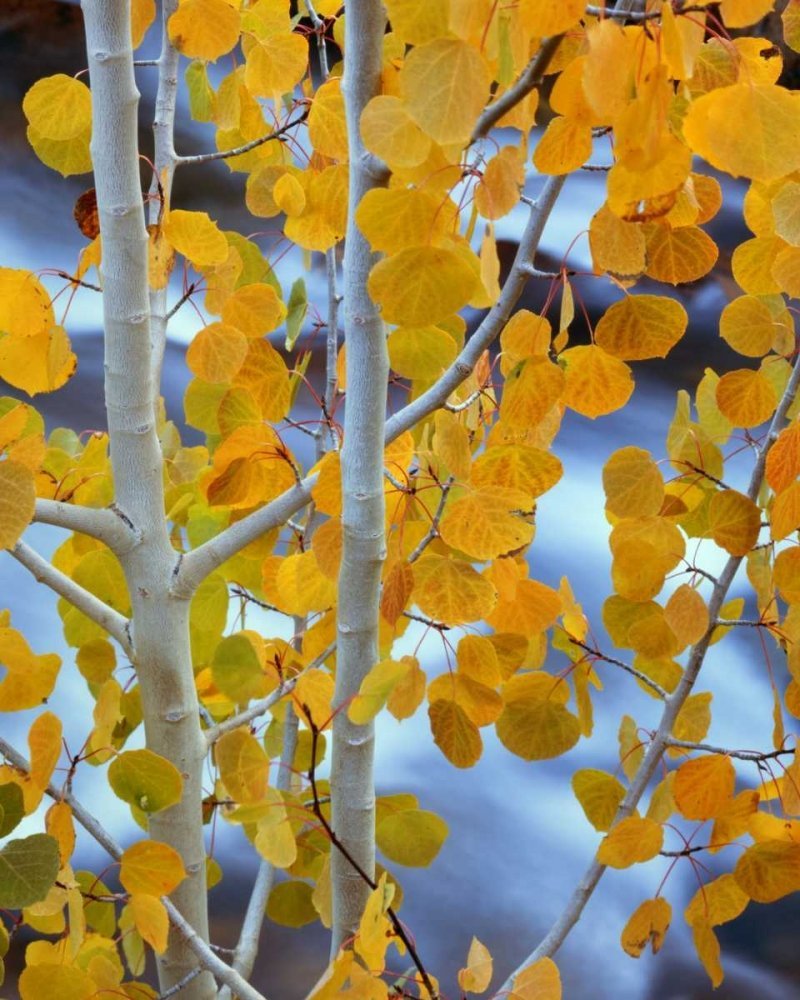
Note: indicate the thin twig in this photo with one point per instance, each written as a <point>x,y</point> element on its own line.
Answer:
<point>101,613</point>
<point>751,755</point>
<point>397,926</point>
<point>225,154</point>
<point>433,531</point>
<point>597,655</point>
<point>180,985</point>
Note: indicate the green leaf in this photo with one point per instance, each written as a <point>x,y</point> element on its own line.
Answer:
<point>290,904</point>
<point>12,807</point>
<point>297,307</point>
<point>28,868</point>
<point>412,837</point>
<point>143,779</point>
<point>201,94</point>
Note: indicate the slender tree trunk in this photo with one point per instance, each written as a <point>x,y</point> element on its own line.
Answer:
<point>352,791</point>
<point>160,621</point>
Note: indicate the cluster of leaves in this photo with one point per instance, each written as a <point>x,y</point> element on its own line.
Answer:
<point>461,487</point>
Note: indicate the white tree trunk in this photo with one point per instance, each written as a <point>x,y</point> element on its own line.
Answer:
<point>352,791</point>
<point>161,652</point>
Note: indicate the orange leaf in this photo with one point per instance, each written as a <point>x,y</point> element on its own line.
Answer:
<point>704,786</point>
<point>631,841</point>
<point>152,868</point>
<point>596,382</point>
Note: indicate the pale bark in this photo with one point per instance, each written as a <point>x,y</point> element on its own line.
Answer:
<point>161,651</point>
<point>363,552</point>
<point>661,738</point>
<point>104,524</point>
<point>117,625</point>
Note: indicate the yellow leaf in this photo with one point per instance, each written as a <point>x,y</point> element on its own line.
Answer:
<point>454,733</point>
<point>417,23</point>
<point>58,107</point>
<point>535,725</point>
<point>517,467</point>
<point>421,285</point>
<point>540,981</point>
<point>400,218</point>
<point>37,364</point>
<point>374,930</point>
<point>641,326</point>
<point>783,458</point>
<point>487,523</point>
<point>323,221</point>
<point>524,335</point>
<point>375,689</point>
<point>550,17</point>
<point>301,585</point>
<point>499,189</point>
<point>481,703</point>
<point>409,693</point>
<point>746,397</point>
<point>194,235</point>
<point>243,765</point>
<point>25,307</point>
<point>745,130</point>
<point>735,521</point>
<point>289,195</point>
<point>275,64</point>
<point>596,382</point>
<point>747,325</point>
<point>29,679</point>
<point>477,975</point>
<point>445,84</point>
<point>313,695</point>
<point>633,484</point>
<point>44,740</point>
<point>704,786</point>
<point>327,128</point>
<point>707,945</point>
<point>785,514</point>
<point>450,591</point>
<point>217,353</point>
<point>67,156</point>
<point>648,924</point>
<point>678,256</point>
<point>565,146</point>
<point>205,29</point>
<point>327,491</point>
<point>741,13</point>
<point>716,902</point>
<point>143,13</point>
<point>531,391</point>
<point>617,246</point>
<point>389,131</point>
<point>599,794</point>
<point>59,824</point>
<point>769,870</point>
<point>786,574</point>
<point>17,502</point>
<point>255,309</point>
<point>687,615</point>
<point>152,922</point>
<point>631,841</point>
<point>152,868</point>
<point>50,980</point>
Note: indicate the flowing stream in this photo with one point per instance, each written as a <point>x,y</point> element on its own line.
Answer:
<point>518,840</point>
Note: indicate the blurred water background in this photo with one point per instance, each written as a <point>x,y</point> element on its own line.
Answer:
<point>518,840</point>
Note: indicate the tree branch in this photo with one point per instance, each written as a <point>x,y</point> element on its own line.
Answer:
<point>104,524</point>
<point>117,625</point>
<point>528,80</point>
<point>752,755</point>
<point>224,973</point>
<point>598,655</point>
<point>225,154</point>
<point>661,737</point>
